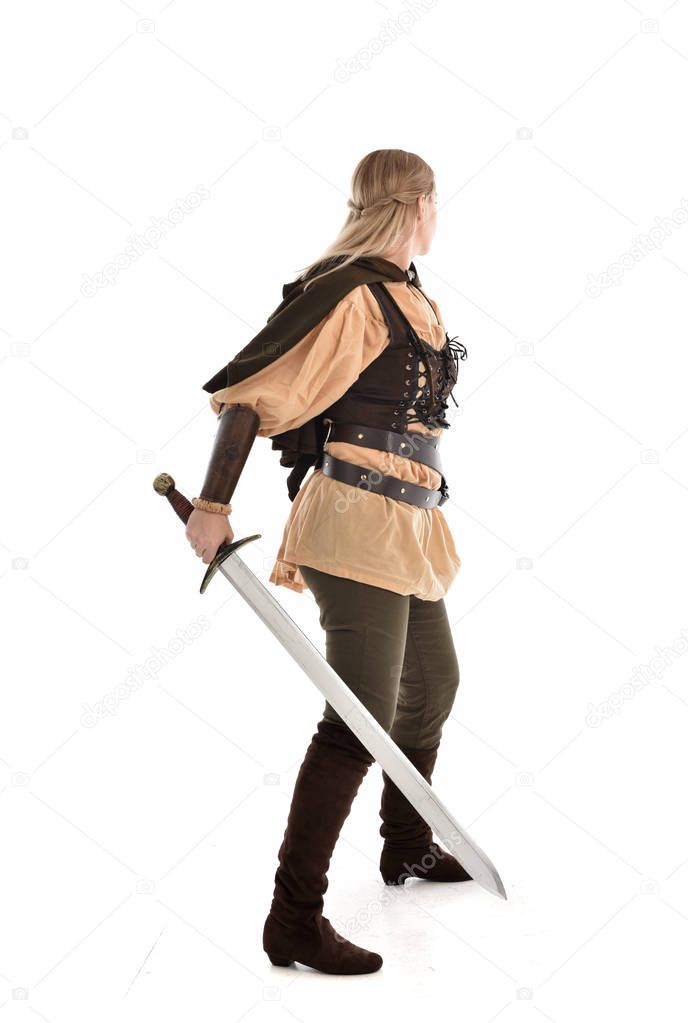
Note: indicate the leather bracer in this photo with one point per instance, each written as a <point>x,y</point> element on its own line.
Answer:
<point>236,432</point>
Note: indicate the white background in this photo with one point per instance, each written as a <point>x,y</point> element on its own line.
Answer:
<point>139,853</point>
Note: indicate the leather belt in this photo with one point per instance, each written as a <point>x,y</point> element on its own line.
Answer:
<point>412,444</point>
<point>378,483</point>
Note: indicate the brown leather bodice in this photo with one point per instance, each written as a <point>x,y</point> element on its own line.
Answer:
<point>410,381</point>
<point>392,392</point>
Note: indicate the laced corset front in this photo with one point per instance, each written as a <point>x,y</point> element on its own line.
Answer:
<point>430,376</point>
<point>409,382</point>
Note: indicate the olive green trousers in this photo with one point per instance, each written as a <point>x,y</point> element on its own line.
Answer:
<point>395,652</point>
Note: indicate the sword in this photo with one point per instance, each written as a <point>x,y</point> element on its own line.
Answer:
<point>359,719</point>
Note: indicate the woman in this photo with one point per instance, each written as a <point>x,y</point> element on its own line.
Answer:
<point>352,375</point>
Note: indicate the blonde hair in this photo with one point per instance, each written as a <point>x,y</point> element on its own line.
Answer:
<point>385,188</point>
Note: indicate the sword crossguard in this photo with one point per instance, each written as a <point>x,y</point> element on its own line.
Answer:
<point>164,485</point>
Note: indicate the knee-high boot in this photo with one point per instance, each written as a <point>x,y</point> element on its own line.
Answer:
<point>408,849</point>
<point>295,930</point>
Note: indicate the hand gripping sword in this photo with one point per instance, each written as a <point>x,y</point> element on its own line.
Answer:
<point>359,719</point>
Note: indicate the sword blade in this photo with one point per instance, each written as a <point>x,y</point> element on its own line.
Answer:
<point>361,722</point>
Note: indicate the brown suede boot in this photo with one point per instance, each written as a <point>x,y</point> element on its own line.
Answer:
<point>408,849</point>
<point>295,930</point>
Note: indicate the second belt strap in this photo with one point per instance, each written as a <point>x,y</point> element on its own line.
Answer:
<point>378,483</point>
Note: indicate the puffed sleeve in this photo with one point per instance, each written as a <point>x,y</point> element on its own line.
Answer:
<point>315,372</point>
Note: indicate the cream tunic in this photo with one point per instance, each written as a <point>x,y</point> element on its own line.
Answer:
<point>334,526</point>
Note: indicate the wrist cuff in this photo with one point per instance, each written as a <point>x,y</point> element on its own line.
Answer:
<point>211,506</point>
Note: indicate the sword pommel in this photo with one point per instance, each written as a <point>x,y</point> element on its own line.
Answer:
<point>165,486</point>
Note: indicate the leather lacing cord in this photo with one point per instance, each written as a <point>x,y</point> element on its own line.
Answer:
<point>420,354</point>
<point>452,352</point>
